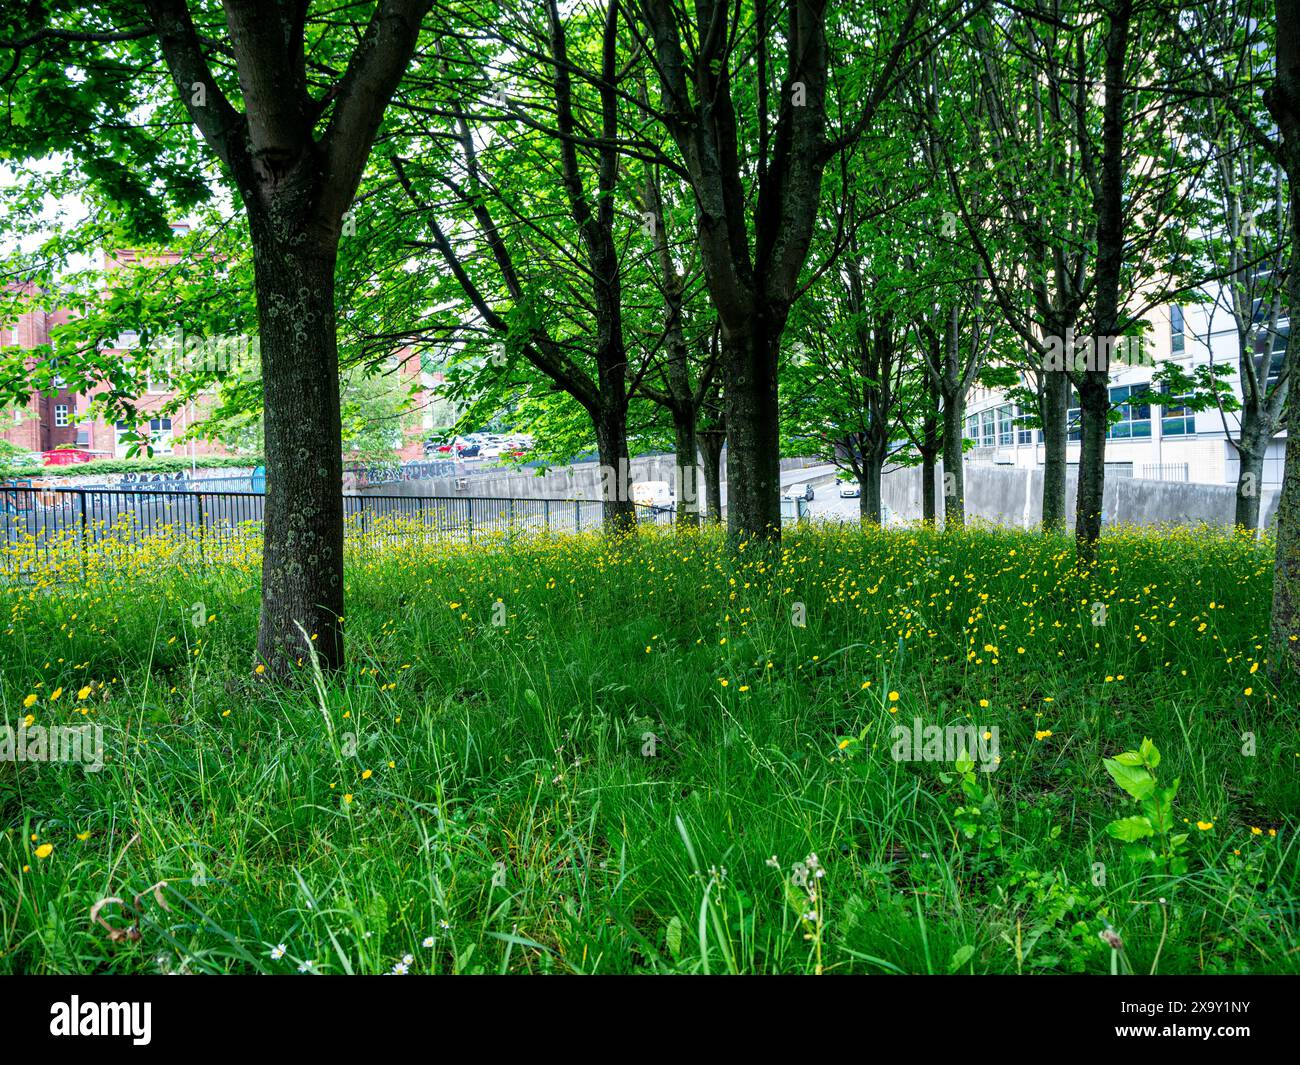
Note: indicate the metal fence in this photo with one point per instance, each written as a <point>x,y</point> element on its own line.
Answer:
<point>1164,471</point>
<point>45,529</point>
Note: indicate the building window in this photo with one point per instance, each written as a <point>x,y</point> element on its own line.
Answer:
<point>987,428</point>
<point>973,427</point>
<point>1004,425</point>
<point>83,438</point>
<point>1277,352</point>
<point>1176,419</point>
<point>1177,344</point>
<point>160,436</point>
<point>1073,419</point>
<point>1134,418</point>
<point>1023,435</point>
<point>61,414</point>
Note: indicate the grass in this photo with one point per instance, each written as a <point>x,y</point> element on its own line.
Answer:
<point>652,757</point>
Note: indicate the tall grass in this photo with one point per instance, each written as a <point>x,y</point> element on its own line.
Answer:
<point>570,755</point>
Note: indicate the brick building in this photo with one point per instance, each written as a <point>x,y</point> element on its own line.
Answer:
<point>62,418</point>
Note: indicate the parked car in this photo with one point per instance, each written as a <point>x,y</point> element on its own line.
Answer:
<point>799,491</point>
<point>850,490</point>
<point>469,451</point>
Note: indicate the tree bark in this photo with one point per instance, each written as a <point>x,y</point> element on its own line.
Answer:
<point>1251,448</point>
<point>1094,404</point>
<point>1055,416</point>
<point>930,448</point>
<point>1283,99</point>
<point>688,466</point>
<point>753,434</point>
<point>954,479</point>
<point>869,486</point>
<point>712,442</point>
<point>1094,389</point>
<point>302,562</point>
<point>611,442</point>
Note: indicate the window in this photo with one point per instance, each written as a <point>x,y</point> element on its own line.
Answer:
<point>1177,344</point>
<point>1073,419</point>
<point>1023,435</point>
<point>160,436</point>
<point>1134,418</point>
<point>1272,348</point>
<point>1004,425</point>
<point>987,428</point>
<point>83,438</point>
<point>1176,419</point>
<point>973,428</point>
<point>61,414</point>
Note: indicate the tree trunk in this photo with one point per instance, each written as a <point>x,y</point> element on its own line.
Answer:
<point>712,442</point>
<point>869,487</point>
<point>1251,448</point>
<point>1094,392</point>
<point>302,562</point>
<point>954,479</point>
<point>688,467</point>
<point>1283,99</point>
<point>611,442</point>
<point>1055,416</point>
<point>930,448</point>
<point>753,434</point>
<point>1094,403</point>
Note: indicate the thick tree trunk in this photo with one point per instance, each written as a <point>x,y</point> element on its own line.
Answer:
<point>954,479</point>
<point>302,563</point>
<point>1283,99</point>
<point>611,443</point>
<point>1094,401</point>
<point>689,493</point>
<point>712,442</point>
<point>1055,416</point>
<point>753,434</point>
<point>869,486</point>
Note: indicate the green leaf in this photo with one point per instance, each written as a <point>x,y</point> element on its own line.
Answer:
<point>1136,780</point>
<point>960,957</point>
<point>1130,828</point>
<point>1150,756</point>
<point>673,933</point>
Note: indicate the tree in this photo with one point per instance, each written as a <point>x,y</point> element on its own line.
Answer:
<point>1283,99</point>
<point>294,155</point>
<point>753,243</point>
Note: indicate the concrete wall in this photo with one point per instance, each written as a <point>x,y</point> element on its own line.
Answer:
<point>1012,495</point>
<point>581,481</point>
<point>567,482</point>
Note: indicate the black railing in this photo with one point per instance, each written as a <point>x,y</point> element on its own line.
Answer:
<point>49,530</point>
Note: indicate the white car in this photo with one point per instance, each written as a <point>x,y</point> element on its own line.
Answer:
<point>799,491</point>
<point>850,490</point>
